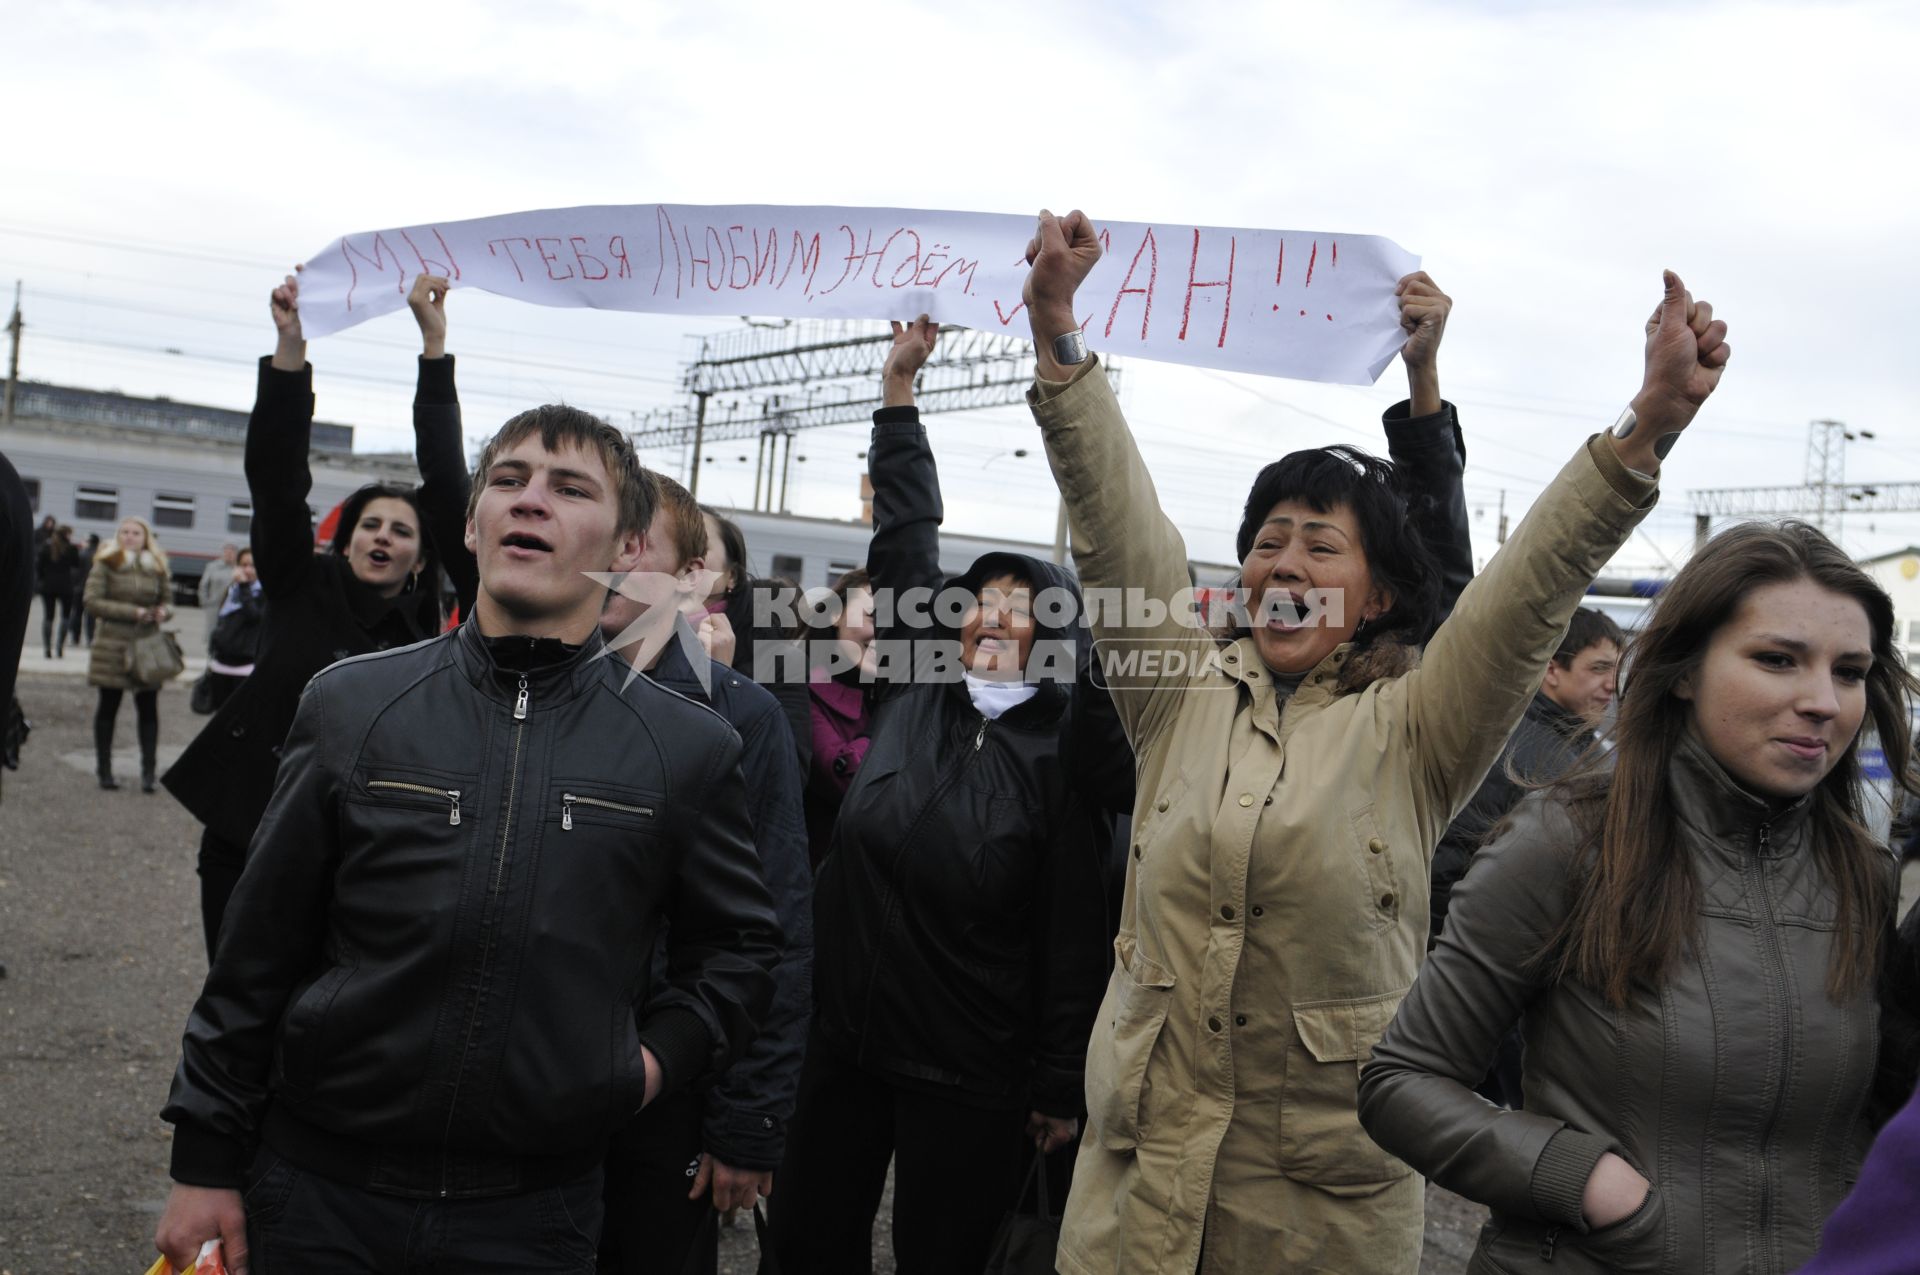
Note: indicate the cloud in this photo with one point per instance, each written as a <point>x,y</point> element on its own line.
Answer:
<point>1547,160</point>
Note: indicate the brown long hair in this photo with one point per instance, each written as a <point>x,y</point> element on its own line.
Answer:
<point>1637,907</point>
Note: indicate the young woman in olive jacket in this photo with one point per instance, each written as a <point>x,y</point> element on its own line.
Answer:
<point>376,587</point>
<point>127,592</point>
<point>1688,940</point>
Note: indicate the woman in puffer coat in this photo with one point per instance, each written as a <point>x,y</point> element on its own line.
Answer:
<point>1292,784</point>
<point>1687,933</point>
<point>127,592</point>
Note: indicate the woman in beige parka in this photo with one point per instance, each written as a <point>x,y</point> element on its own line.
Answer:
<point>1292,784</point>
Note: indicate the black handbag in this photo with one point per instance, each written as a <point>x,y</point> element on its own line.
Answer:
<point>1026,1241</point>
<point>201,698</point>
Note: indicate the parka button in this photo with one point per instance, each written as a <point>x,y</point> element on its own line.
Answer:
<point>1246,799</point>
<point>1213,1025</point>
<point>1239,1020</point>
<point>1258,910</point>
<point>1377,846</point>
<point>1227,912</point>
<point>1161,805</point>
<point>1386,900</point>
<point>1136,851</point>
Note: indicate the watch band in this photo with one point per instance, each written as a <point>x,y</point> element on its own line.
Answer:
<point>1070,348</point>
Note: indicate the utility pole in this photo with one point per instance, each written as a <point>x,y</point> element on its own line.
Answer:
<point>786,469</point>
<point>1060,534</point>
<point>13,359</point>
<point>1501,536</point>
<point>699,429</point>
<point>1822,500</point>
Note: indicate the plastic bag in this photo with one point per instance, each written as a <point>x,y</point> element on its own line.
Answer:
<point>208,1263</point>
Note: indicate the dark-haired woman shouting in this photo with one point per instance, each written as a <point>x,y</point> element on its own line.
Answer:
<point>1688,938</point>
<point>375,587</point>
<point>1292,784</point>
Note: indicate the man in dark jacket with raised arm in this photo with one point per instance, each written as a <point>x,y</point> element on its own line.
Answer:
<point>420,1024</point>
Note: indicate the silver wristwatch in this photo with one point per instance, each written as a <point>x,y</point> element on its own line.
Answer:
<point>1070,348</point>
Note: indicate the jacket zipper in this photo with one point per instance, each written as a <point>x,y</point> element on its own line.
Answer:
<point>981,738</point>
<point>451,794</point>
<point>568,801</point>
<point>1778,966</point>
<point>1547,1242</point>
<point>486,950</point>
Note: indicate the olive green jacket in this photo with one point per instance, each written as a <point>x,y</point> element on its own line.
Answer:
<point>1276,901</point>
<point>112,596</point>
<point>1735,1085</point>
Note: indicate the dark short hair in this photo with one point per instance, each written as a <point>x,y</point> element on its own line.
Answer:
<point>1326,478</point>
<point>734,541</point>
<point>685,525</point>
<point>1588,628</point>
<point>558,424</point>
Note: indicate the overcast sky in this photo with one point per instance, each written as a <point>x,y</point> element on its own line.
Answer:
<point>166,161</point>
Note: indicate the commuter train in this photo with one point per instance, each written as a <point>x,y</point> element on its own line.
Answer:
<point>91,458</point>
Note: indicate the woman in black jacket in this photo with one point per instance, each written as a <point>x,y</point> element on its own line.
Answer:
<point>960,925</point>
<point>58,560</point>
<point>375,586</point>
<point>235,640</point>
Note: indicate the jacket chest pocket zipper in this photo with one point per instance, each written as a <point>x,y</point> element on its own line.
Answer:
<point>450,794</point>
<point>568,801</point>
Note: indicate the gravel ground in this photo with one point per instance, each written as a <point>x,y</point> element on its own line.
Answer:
<point>100,934</point>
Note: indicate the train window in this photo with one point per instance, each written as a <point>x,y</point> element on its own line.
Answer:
<point>172,510</point>
<point>33,493</point>
<point>101,504</point>
<point>239,517</point>
<point>788,566</point>
<point>837,569</point>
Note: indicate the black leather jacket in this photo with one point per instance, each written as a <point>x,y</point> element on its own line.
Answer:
<point>428,975</point>
<point>961,935</point>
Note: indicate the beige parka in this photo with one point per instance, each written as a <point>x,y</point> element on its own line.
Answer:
<point>1276,898</point>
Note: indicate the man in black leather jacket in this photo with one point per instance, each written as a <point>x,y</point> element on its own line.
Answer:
<point>421,1025</point>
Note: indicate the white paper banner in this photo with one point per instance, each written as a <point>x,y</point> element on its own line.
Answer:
<point>1317,306</point>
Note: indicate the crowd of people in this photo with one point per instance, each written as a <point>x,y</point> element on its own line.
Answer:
<point>651,890</point>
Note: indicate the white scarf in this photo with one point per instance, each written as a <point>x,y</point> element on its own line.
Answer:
<point>995,698</point>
